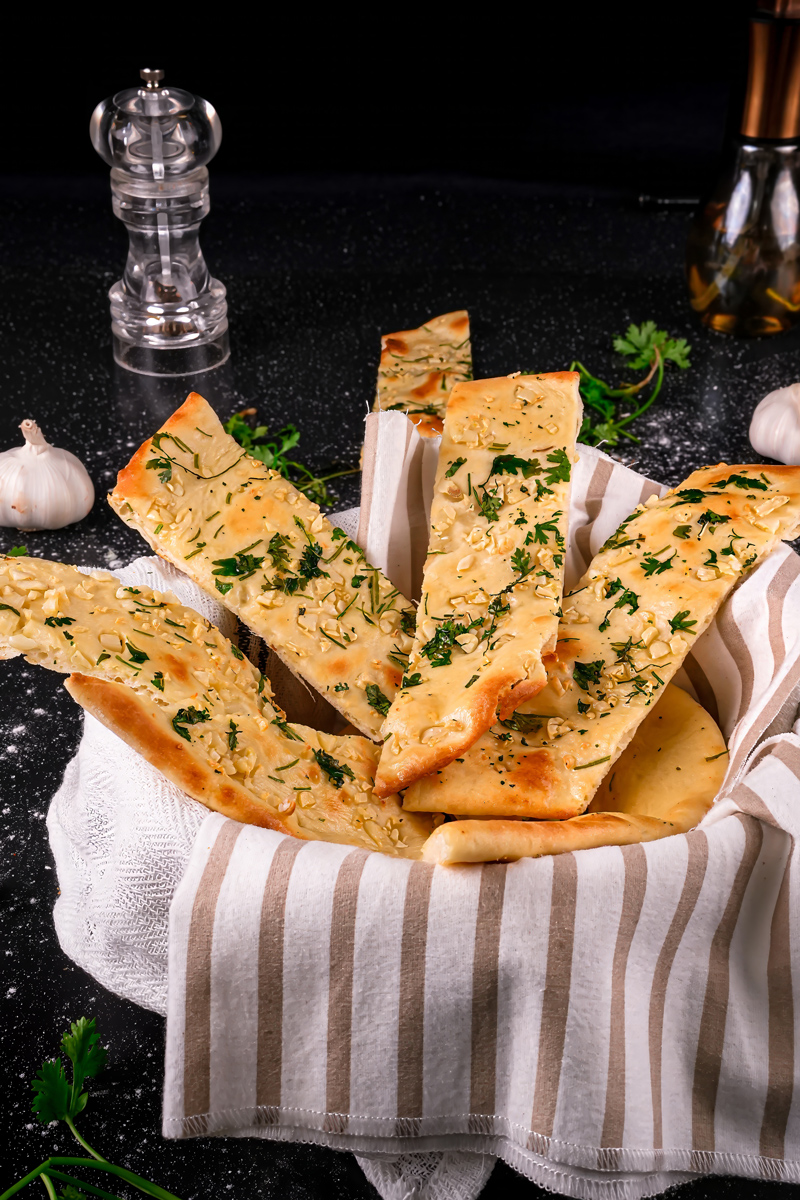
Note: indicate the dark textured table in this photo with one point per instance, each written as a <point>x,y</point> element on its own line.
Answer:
<point>315,272</point>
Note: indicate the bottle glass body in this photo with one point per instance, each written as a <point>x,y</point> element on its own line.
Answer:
<point>743,254</point>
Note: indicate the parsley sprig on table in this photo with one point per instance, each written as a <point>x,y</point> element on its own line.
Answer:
<point>273,452</point>
<point>57,1098</point>
<point>644,348</point>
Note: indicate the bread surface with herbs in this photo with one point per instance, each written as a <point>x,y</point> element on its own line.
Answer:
<point>419,367</point>
<point>252,540</point>
<point>627,626</point>
<point>494,573</point>
<point>173,687</point>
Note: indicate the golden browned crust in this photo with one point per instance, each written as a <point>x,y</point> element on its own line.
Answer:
<point>418,368</point>
<point>627,627</point>
<point>147,732</point>
<point>492,585</point>
<point>663,783</point>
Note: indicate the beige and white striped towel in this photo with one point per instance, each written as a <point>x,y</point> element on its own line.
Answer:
<point>609,1022</point>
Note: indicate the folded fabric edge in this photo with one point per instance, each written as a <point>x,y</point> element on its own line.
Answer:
<point>618,1177</point>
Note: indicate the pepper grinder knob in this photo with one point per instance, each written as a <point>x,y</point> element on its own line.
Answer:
<point>152,78</point>
<point>169,316</point>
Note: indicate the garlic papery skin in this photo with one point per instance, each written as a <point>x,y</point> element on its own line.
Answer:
<point>775,425</point>
<point>42,487</point>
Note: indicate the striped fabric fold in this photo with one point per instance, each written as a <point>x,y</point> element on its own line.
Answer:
<point>609,1022</point>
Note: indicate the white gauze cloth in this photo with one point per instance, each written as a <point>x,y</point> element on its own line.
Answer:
<point>609,1022</point>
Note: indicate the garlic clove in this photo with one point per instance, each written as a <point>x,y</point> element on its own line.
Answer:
<point>42,486</point>
<point>775,425</point>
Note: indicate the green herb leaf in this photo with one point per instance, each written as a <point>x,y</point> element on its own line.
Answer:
<point>411,680</point>
<point>286,729</point>
<point>655,566</point>
<point>9,608</point>
<point>58,621</point>
<point>241,565</point>
<point>511,464</point>
<point>586,673</point>
<point>278,550</point>
<point>335,770</point>
<point>342,687</point>
<point>679,624</point>
<point>745,482</point>
<point>232,735</point>
<point>377,700</point>
<point>188,716</point>
<point>82,1047</point>
<point>136,655</point>
<point>17,552</point>
<point>682,531</point>
<point>52,1092</point>
<point>521,561</point>
<point>454,465</point>
<point>223,588</point>
<point>689,496</point>
<point>158,680</point>
<point>560,473</point>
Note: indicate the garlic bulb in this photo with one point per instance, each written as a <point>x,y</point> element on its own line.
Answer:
<point>42,487</point>
<point>775,426</point>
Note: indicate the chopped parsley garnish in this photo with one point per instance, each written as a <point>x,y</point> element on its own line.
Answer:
<point>277,549</point>
<point>342,687</point>
<point>521,561</point>
<point>682,531</point>
<point>137,656</point>
<point>236,652</point>
<point>377,700</point>
<point>560,472</point>
<point>510,464</point>
<point>411,680</point>
<point>102,657</point>
<point>679,624</point>
<point>232,735</point>
<point>10,608</point>
<point>17,552</point>
<point>188,716</point>
<point>471,681</point>
<point>583,707</point>
<point>357,581</point>
<point>335,770</point>
<point>689,496</point>
<point>454,465</point>
<point>408,621</point>
<point>709,519</point>
<point>309,563</point>
<point>628,598</point>
<point>586,673</point>
<point>440,647</point>
<point>524,722</point>
<point>241,565</point>
<point>541,531</point>
<point>53,621</point>
<point>286,729</point>
<point>158,680</point>
<point>224,588</point>
<point>656,566</point>
<point>743,482</point>
<point>617,539</point>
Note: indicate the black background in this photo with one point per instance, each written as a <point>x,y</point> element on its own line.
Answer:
<point>622,96</point>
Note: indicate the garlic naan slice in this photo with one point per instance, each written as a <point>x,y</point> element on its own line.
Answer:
<point>491,591</point>
<point>170,685</point>
<point>250,539</point>
<point>418,368</point>
<point>627,626</point>
<point>663,783</point>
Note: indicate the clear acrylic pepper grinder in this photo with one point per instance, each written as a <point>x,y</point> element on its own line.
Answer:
<point>169,316</point>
